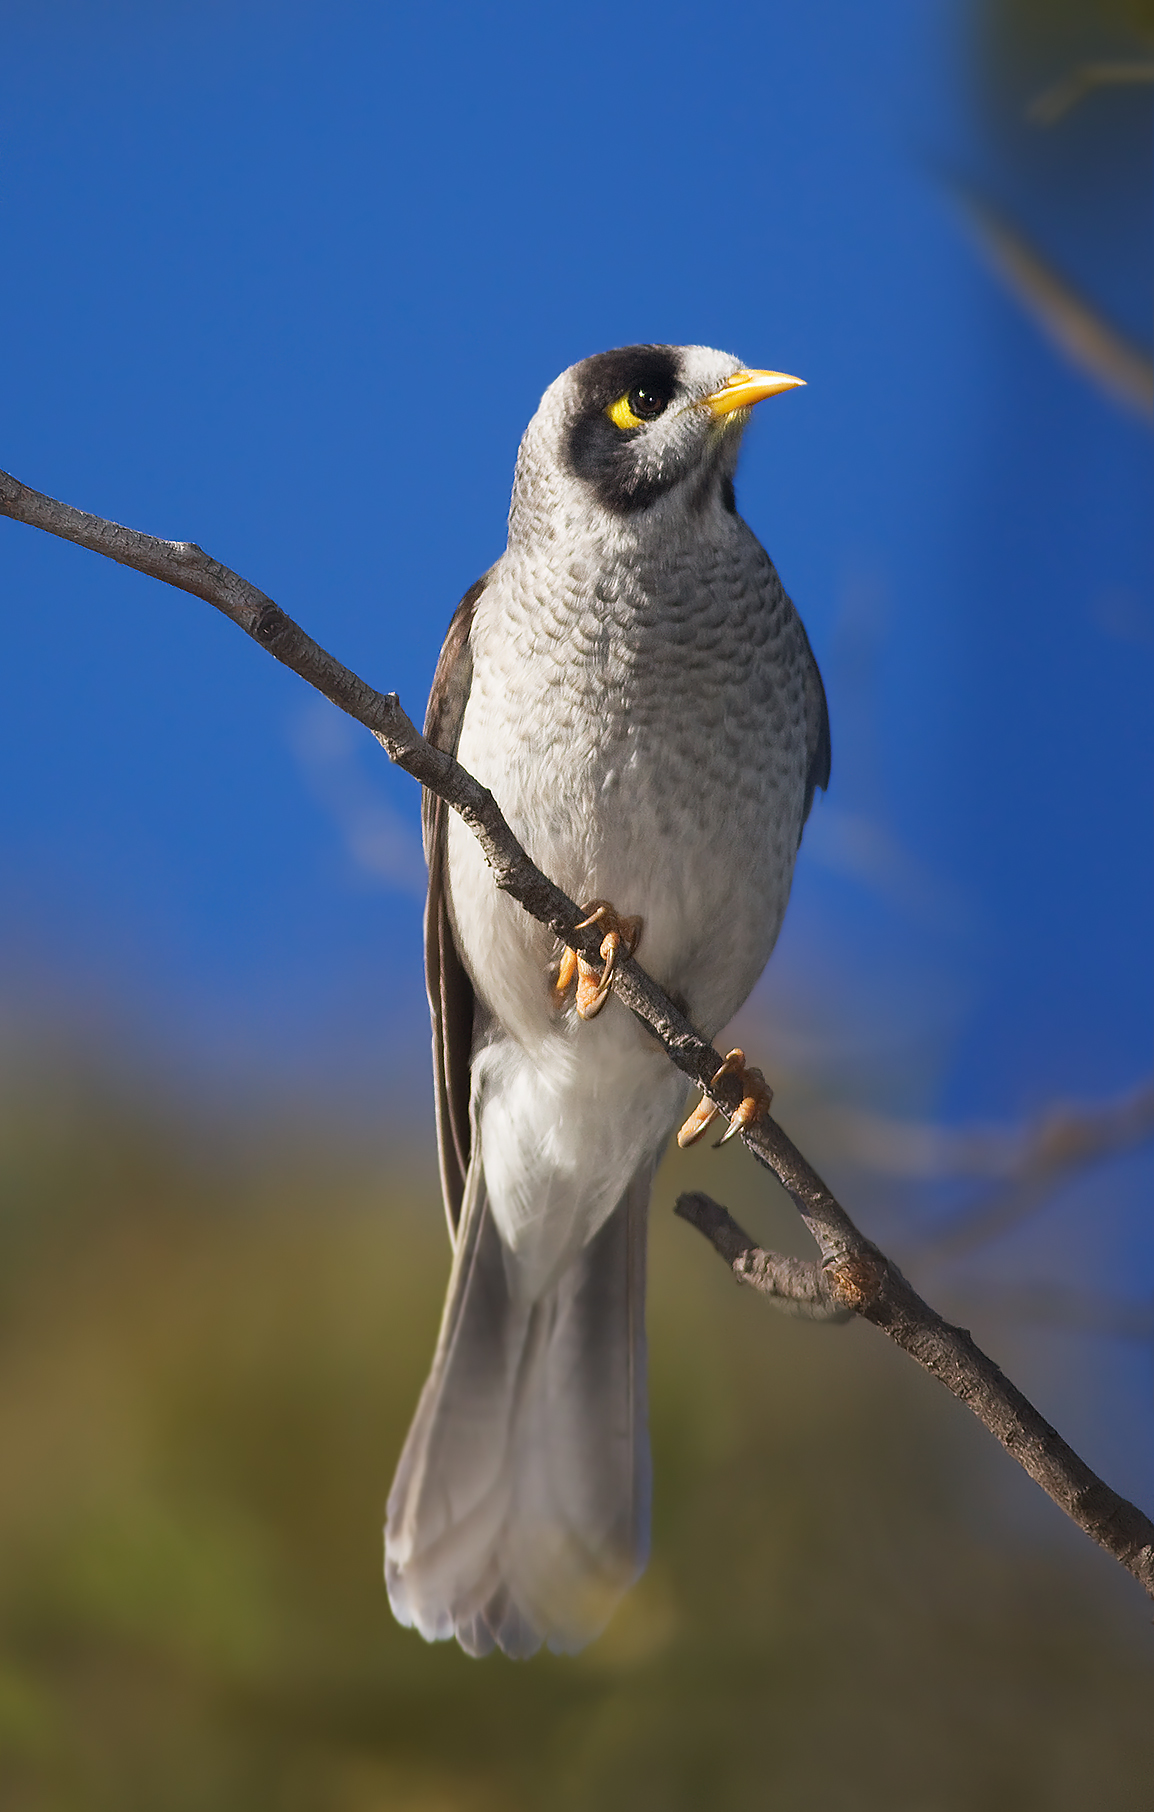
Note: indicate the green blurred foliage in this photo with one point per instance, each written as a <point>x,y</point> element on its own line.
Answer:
<point>211,1345</point>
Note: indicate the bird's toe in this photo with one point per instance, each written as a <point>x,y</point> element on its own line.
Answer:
<point>756,1098</point>
<point>620,939</point>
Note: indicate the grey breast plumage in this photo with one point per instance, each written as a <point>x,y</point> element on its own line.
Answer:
<point>635,687</point>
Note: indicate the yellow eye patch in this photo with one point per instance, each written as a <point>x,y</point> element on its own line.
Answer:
<point>621,415</point>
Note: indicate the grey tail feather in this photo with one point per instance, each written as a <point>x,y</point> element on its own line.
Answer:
<point>520,1509</point>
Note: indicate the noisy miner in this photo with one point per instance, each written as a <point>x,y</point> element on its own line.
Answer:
<point>635,687</point>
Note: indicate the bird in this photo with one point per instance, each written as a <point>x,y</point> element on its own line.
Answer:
<point>637,691</point>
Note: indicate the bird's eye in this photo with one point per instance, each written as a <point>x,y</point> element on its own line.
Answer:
<point>644,403</point>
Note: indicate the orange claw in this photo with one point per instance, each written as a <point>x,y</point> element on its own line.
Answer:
<point>755,1101</point>
<point>593,986</point>
<point>566,970</point>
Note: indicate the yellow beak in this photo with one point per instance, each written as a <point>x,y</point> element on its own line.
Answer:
<point>745,388</point>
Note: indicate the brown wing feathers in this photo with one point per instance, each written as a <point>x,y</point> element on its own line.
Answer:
<point>451,1000</point>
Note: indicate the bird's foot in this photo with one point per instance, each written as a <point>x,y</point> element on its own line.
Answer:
<point>756,1096</point>
<point>621,937</point>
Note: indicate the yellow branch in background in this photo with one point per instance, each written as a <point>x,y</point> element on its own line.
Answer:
<point>1058,100</point>
<point>1071,323</point>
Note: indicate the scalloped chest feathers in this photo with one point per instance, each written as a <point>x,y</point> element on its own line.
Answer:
<point>641,723</point>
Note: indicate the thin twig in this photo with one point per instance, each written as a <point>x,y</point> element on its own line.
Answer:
<point>857,1277</point>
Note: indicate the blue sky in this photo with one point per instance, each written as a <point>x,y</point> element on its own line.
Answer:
<point>289,280</point>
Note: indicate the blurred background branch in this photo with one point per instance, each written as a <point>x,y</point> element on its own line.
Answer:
<point>1064,1135</point>
<point>1042,59</point>
<point>1049,107</point>
<point>1031,1160</point>
<point>1066,1309</point>
<point>1073,325</point>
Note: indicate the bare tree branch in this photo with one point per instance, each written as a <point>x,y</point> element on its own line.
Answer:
<point>854,1275</point>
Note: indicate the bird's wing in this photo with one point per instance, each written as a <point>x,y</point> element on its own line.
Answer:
<point>451,1001</point>
<point>816,733</point>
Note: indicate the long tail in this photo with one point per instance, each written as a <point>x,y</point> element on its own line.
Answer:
<point>520,1509</point>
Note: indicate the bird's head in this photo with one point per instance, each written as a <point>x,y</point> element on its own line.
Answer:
<point>625,431</point>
